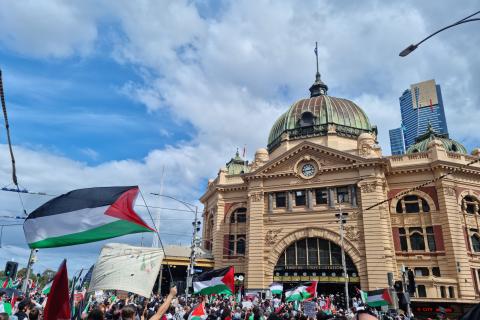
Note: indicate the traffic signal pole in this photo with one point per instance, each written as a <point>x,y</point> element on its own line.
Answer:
<point>29,269</point>
<point>406,291</point>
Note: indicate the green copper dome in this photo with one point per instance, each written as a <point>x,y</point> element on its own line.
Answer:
<point>311,117</point>
<point>421,143</point>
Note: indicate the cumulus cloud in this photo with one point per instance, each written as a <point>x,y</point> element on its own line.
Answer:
<point>53,29</point>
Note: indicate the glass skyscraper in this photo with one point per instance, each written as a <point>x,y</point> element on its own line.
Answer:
<point>420,105</point>
<point>397,145</point>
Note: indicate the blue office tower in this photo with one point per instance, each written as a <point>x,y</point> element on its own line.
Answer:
<point>421,105</point>
<point>397,145</point>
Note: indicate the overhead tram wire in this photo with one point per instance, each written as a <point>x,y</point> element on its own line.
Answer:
<point>403,193</point>
<point>159,238</point>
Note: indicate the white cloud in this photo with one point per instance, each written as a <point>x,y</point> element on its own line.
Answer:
<point>47,29</point>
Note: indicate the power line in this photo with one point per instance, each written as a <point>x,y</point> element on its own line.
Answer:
<point>403,193</point>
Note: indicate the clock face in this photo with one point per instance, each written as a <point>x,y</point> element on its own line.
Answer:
<point>308,170</point>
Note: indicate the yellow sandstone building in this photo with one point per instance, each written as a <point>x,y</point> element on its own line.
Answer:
<point>274,219</point>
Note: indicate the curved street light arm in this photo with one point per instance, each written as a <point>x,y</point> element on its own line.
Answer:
<point>189,206</point>
<point>412,47</point>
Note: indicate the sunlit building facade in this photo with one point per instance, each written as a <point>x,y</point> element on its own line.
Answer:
<point>274,218</point>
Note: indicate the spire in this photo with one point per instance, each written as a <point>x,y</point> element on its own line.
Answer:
<point>318,88</point>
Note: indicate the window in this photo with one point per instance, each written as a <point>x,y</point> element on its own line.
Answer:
<point>421,291</point>
<point>431,239</point>
<point>241,245</point>
<point>443,292</point>
<point>436,272</point>
<point>307,119</point>
<point>470,205</point>
<point>280,199</point>
<point>239,216</point>
<point>342,194</point>
<point>231,244</point>
<point>312,251</point>
<point>324,247</point>
<point>302,252</point>
<point>422,272</point>
<point>336,252</point>
<point>451,292</point>
<point>403,239</point>
<point>416,240</point>
<point>412,204</point>
<point>321,196</point>
<point>300,198</point>
<point>291,259</point>
<point>475,240</point>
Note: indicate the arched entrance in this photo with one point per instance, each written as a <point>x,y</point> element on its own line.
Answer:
<point>315,259</point>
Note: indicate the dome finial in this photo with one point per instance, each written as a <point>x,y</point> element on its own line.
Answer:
<point>318,88</point>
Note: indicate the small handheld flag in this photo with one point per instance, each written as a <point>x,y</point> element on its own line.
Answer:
<point>220,281</point>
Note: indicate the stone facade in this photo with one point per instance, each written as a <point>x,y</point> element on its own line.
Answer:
<point>386,222</point>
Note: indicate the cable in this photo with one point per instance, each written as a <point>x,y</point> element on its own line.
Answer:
<point>400,194</point>
<point>158,235</point>
<point>7,128</point>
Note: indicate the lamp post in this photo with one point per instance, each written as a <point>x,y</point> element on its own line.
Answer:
<point>342,219</point>
<point>405,52</point>
<point>196,227</point>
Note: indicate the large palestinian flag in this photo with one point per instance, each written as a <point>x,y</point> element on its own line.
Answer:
<point>84,215</point>
<point>302,292</point>
<point>220,281</point>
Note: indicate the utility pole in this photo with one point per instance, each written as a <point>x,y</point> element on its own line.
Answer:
<point>342,219</point>
<point>31,260</point>
<point>191,266</point>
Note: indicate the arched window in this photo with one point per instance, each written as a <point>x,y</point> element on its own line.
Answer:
<point>412,204</point>
<point>475,239</point>
<point>417,242</point>
<point>236,237</point>
<point>239,216</point>
<point>307,119</point>
<point>209,232</point>
<point>470,205</point>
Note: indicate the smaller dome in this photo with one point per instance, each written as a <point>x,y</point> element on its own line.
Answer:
<point>430,137</point>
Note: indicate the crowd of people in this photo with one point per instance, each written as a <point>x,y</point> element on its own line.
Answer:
<point>173,307</point>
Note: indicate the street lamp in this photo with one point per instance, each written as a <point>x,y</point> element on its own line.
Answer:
<point>405,52</point>
<point>196,228</point>
<point>342,219</point>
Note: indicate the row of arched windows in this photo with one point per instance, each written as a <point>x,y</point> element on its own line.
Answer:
<point>416,204</point>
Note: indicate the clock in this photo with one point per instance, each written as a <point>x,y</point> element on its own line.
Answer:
<point>308,170</point>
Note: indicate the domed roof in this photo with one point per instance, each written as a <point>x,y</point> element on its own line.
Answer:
<point>311,117</point>
<point>422,142</point>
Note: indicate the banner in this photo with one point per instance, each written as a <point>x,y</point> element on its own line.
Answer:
<point>128,268</point>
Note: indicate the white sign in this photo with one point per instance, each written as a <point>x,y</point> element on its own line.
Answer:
<point>128,268</point>
<point>309,309</point>
<point>247,304</point>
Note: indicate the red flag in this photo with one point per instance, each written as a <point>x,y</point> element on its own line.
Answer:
<point>13,300</point>
<point>58,303</point>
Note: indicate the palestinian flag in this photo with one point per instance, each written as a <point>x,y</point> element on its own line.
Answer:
<point>84,215</point>
<point>276,288</point>
<point>218,281</point>
<point>302,292</point>
<point>46,289</point>
<point>376,298</point>
<point>7,284</point>
<point>198,313</point>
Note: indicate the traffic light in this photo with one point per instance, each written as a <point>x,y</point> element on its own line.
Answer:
<point>411,282</point>
<point>398,286</point>
<point>11,269</point>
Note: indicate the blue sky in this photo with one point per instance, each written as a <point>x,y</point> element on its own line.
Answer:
<point>110,92</point>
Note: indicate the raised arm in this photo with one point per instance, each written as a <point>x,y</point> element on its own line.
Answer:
<point>165,305</point>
